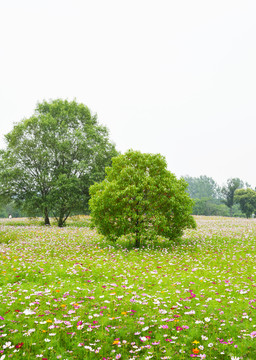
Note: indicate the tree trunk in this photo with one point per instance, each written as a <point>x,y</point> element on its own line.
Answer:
<point>46,217</point>
<point>137,234</point>
<point>137,241</point>
<point>60,222</point>
<point>231,211</point>
<point>61,218</point>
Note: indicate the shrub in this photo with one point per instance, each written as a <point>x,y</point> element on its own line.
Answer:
<point>140,197</point>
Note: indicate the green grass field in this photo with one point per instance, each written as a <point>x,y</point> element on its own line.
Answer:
<point>68,294</point>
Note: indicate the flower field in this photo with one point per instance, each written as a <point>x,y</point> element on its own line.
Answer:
<point>68,294</point>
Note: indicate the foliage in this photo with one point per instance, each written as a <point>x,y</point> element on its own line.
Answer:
<point>53,157</point>
<point>140,197</point>
<point>246,198</point>
<point>209,207</point>
<point>228,191</point>
<point>10,208</point>
<point>202,187</point>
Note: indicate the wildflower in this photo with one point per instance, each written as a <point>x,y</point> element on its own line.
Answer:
<point>235,358</point>
<point>195,342</point>
<point>28,312</point>
<point>143,338</point>
<point>195,351</point>
<point>207,319</point>
<point>118,356</point>
<point>145,328</point>
<point>19,345</point>
<point>116,342</point>
<point>210,344</point>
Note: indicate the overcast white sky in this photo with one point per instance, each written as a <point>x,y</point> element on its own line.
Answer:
<point>170,77</point>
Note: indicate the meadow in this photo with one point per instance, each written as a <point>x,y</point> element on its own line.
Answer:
<point>67,293</point>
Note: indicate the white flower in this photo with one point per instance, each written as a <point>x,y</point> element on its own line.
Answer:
<point>28,312</point>
<point>143,338</point>
<point>2,357</point>
<point>210,344</point>
<point>207,319</point>
<point>204,337</point>
<point>7,344</point>
<point>235,358</point>
<point>191,312</point>
<point>145,328</point>
<point>47,340</point>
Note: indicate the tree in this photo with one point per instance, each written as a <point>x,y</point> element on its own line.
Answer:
<point>246,198</point>
<point>228,191</point>
<point>53,157</point>
<point>140,197</point>
<point>202,187</point>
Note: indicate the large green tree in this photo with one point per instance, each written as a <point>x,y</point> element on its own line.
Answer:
<point>246,198</point>
<point>140,197</point>
<point>53,157</point>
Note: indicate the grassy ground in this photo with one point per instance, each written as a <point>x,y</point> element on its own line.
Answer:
<point>68,294</point>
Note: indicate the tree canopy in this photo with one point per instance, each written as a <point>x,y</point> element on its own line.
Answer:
<point>246,198</point>
<point>228,191</point>
<point>140,197</point>
<point>53,157</point>
<point>202,187</point>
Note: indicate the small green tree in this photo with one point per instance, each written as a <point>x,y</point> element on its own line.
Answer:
<point>246,198</point>
<point>139,196</point>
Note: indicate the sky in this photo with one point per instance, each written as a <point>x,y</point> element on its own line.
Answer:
<point>171,77</point>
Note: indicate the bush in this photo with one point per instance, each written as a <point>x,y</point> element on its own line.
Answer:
<point>140,197</point>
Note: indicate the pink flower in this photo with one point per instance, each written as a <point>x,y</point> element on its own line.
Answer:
<point>118,356</point>
<point>253,334</point>
<point>179,328</point>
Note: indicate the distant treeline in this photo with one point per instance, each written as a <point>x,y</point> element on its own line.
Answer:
<point>235,198</point>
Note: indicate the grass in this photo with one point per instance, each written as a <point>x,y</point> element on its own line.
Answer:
<point>68,294</point>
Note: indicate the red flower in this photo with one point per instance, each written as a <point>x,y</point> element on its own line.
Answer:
<point>19,345</point>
